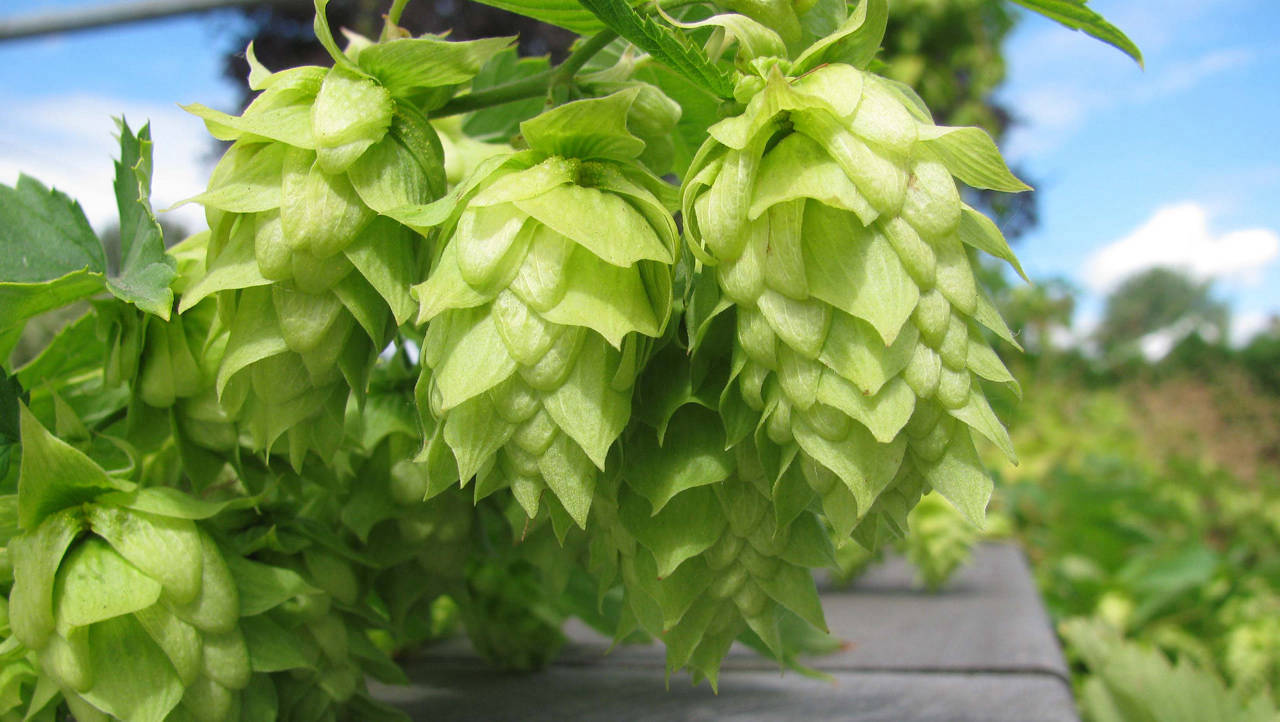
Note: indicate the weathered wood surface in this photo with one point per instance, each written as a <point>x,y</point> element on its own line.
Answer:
<point>981,650</point>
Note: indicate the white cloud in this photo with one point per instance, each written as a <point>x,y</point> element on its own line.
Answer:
<point>69,142</point>
<point>1246,325</point>
<point>1182,76</point>
<point>1178,236</point>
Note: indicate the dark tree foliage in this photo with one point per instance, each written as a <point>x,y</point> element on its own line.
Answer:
<point>950,51</point>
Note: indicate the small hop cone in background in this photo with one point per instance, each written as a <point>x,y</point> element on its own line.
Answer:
<point>837,235</point>
<point>310,269</point>
<point>941,540</point>
<point>558,266</point>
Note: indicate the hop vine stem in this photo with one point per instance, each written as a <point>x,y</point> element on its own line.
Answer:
<point>532,86</point>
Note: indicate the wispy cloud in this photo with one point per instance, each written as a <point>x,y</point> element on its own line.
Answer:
<point>1182,76</point>
<point>69,142</point>
<point>1178,236</point>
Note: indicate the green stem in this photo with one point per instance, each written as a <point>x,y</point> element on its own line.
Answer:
<point>532,86</point>
<point>394,13</point>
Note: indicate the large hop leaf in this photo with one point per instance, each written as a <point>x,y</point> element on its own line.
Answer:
<point>837,234</point>
<point>558,264</point>
<point>310,272</point>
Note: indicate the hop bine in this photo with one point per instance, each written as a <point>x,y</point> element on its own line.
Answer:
<point>837,235</point>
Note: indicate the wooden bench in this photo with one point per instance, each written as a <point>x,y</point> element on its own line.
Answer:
<point>980,650</point>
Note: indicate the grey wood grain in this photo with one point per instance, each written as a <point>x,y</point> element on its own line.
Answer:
<point>981,650</point>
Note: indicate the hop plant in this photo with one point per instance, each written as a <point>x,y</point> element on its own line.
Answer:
<point>105,572</point>
<point>828,209</point>
<point>310,268</point>
<point>557,267</point>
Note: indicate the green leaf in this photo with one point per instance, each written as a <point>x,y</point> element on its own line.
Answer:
<point>217,609</point>
<point>884,414</point>
<point>37,555</point>
<point>55,475</point>
<point>595,128</point>
<point>52,256</point>
<point>76,349</point>
<point>961,477</point>
<point>586,406</point>
<point>95,583</point>
<point>145,269</point>
<point>272,648</point>
<point>325,36</point>
<point>568,14</point>
<point>693,455</point>
<point>978,415</point>
<point>855,350</point>
<point>865,466</point>
<point>45,235</point>
<point>687,525</point>
<point>971,155</point>
<point>666,44</point>
<point>350,113</point>
<point>1078,16</point>
<point>263,587</point>
<point>610,300</point>
<point>981,232</point>
<point>411,64</point>
<point>856,41</point>
<point>857,270</point>
<point>477,359</point>
<point>166,501</point>
<point>793,587</point>
<point>474,432</point>
<point>145,689</point>
<point>166,549</point>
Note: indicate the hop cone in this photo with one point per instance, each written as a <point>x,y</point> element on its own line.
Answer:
<point>105,574</point>
<point>310,269</point>
<point>829,210</point>
<point>559,261</point>
<point>940,542</point>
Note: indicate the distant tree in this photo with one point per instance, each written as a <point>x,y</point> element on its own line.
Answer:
<point>1160,300</point>
<point>1261,356</point>
<point>1037,310</point>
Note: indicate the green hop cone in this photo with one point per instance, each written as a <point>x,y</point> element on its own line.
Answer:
<point>727,562</point>
<point>126,603</point>
<point>837,234</point>
<point>310,269</point>
<point>558,266</point>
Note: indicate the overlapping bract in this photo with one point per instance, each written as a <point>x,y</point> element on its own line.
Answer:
<point>556,269</point>
<point>838,237</point>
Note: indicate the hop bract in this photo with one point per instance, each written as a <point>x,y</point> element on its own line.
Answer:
<point>830,213</point>
<point>557,267</point>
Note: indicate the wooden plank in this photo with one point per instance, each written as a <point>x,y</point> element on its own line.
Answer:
<point>980,650</point>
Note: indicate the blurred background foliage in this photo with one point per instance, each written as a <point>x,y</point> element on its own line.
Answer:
<point>1148,494</point>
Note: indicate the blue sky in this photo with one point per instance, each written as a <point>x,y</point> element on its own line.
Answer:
<point>1175,164</point>
<point>1178,163</point>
